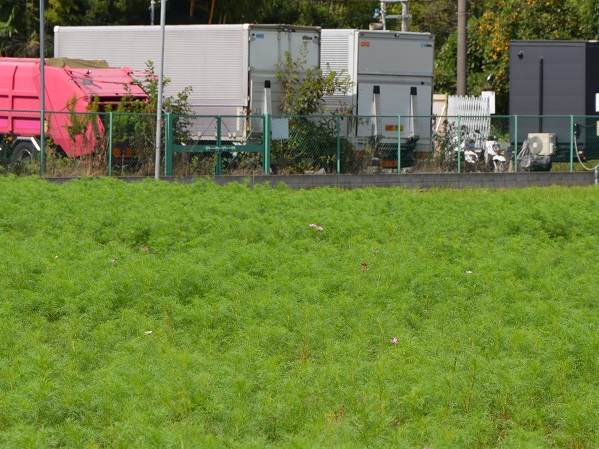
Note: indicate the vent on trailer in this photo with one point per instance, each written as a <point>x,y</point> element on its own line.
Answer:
<point>542,144</point>
<point>336,54</point>
<point>336,57</point>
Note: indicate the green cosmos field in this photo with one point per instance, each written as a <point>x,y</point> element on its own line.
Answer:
<point>164,315</point>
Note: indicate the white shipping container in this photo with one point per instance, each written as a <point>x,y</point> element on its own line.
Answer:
<point>227,66</point>
<point>392,75</point>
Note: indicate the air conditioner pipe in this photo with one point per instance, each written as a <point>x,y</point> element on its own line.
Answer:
<point>541,95</point>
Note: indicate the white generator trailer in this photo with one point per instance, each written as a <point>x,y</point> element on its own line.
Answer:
<point>392,75</point>
<point>230,68</point>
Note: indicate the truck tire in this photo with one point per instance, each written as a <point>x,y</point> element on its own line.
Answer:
<point>24,152</point>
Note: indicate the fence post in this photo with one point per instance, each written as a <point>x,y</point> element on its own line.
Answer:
<point>42,141</point>
<point>398,144</point>
<point>42,144</point>
<point>516,144</point>
<point>110,143</point>
<point>267,141</point>
<point>459,142</point>
<point>572,137</point>
<point>219,157</point>
<point>168,145</point>
<point>338,120</point>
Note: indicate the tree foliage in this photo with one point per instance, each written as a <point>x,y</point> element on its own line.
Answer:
<point>139,133</point>
<point>489,33</point>
<point>304,88</point>
<point>19,28</point>
<point>491,25</point>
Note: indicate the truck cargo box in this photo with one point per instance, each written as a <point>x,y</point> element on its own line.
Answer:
<point>392,74</point>
<point>227,66</point>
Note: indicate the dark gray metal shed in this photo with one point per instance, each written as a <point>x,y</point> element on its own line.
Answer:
<point>558,78</point>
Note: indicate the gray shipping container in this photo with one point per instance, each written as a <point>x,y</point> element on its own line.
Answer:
<point>555,78</point>
<point>392,75</point>
<point>225,65</point>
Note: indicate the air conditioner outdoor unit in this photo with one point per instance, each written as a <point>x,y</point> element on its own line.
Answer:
<point>541,144</point>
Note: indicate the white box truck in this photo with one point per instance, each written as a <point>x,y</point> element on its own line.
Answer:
<point>392,75</point>
<point>229,67</point>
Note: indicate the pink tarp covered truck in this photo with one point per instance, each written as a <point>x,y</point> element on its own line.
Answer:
<point>71,88</point>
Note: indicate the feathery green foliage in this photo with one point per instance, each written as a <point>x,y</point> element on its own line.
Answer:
<point>157,315</point>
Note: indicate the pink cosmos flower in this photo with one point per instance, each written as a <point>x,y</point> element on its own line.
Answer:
<point>312,225</point>
<point>394,341</point>
<point>145,249</point>
<point>320,228</point>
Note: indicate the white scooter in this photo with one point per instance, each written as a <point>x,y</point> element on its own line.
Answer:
<point>469,153</point>
<point>494,154</point>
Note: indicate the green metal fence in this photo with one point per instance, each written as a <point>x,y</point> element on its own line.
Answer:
<point>117,144</point>
<point>200,145</point>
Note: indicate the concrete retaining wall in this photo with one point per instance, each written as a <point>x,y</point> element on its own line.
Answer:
<point>414,181</point>
<point>409,181</point>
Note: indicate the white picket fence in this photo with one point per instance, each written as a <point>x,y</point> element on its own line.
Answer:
<point>474,116</point>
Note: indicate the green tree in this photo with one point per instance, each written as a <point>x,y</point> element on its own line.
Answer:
<point>64,12</point>
<point>323,13</point>
<point>492,24</point>
<point>6,29</point>
<point>436,17</point>
<point>490,32</point>
<point>134,124</point>
<point>304,88</point>
<point>312,139</point>
<point>19,29</point>
<point>589,10</point>
<point>217,11</point>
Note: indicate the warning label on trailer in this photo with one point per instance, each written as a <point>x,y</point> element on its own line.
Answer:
<point>388,164</point>
<point>365,44</point>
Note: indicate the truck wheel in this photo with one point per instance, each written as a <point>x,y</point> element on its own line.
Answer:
<point>24,152</point>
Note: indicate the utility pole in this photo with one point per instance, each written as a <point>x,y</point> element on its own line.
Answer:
<point>462,47</point>
<point>405,16</point>
<point>42,88</point>
<point>381,14</point>
<point>152,8</point>
<point>160,82</point>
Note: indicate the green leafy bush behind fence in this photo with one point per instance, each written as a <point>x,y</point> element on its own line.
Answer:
<point>125,144</point>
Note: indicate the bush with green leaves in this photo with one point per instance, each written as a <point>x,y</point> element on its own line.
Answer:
<point>134,120</point>
<point>312,143</point>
